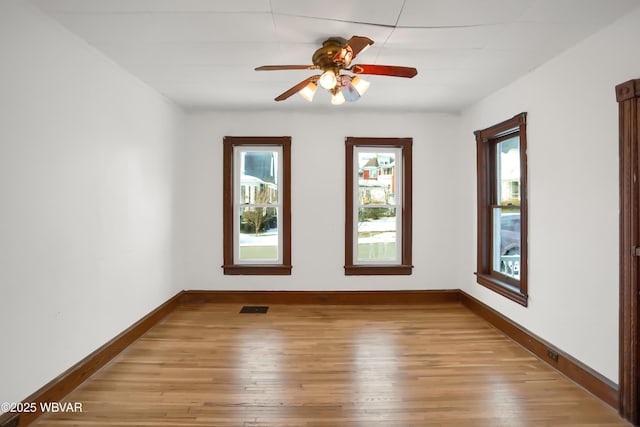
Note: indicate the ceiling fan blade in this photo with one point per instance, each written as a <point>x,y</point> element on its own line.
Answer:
<point>297,88</point>
<point>384,70</point>
<point>351,48</point>
<point>358,44</point>
<point>286,67</point>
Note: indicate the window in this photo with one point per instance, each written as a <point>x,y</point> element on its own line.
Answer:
<point>378,206</point>
<point>502,208</point>
<point>257,205</point>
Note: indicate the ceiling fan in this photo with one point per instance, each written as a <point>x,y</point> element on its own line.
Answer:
<point>335,56</point>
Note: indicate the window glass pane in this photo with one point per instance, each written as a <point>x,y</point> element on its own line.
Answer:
<point>376,178</point>
<point>258,177</point>
<point>508,172</point>
<point>506,241</point>
<point>377,229</point>
<point>258,233</point>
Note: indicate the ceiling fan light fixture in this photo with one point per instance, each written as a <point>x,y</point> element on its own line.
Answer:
<point>328,80</point>
<point>360,85</point>
<point>308,91</point>
<point>337,98</point>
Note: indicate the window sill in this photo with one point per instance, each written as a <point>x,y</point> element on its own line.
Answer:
<point>378,270</point>
<point>257,269</point>
<point>503,288</point>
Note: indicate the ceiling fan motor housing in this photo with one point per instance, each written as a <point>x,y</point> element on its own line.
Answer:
<point>323,57</point>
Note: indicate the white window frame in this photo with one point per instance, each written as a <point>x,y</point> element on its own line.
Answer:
<point>398,202</point>
<point>238,152</point>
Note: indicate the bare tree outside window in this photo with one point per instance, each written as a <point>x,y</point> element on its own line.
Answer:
<point>259,216</point>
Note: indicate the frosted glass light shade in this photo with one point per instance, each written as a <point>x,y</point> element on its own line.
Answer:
<point>328,80</point>
<point>308,91</point>
<point>361,85</point>
<point>338,98</point>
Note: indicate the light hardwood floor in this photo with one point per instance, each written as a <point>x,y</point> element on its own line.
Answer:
<point>329,366</point>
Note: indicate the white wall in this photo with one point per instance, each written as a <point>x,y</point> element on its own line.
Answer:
<point>318,169</point>
<point>86,190</point>
<point>573,193</point>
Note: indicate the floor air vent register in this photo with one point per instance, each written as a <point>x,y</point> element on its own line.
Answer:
<point>256,309</point>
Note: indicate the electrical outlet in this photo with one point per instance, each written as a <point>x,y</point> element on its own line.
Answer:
<point>552,355</point>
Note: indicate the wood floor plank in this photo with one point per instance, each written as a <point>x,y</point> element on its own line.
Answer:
<point>319,366</point>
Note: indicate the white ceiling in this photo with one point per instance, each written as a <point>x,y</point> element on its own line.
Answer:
<point>202,53</point>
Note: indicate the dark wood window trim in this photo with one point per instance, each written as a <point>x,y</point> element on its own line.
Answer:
<point>405,267</point>
<point>230,267</point>
<point>486,143</point>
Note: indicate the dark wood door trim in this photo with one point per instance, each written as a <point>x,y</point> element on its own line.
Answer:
<point>628,97</point>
